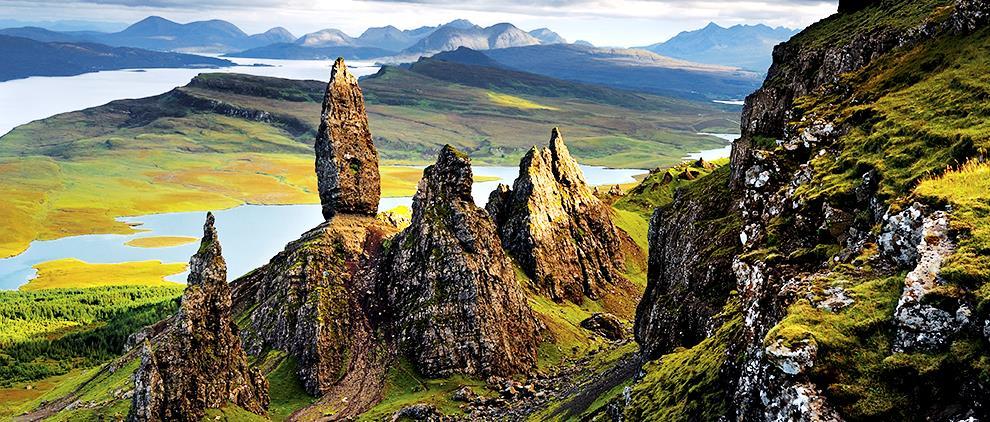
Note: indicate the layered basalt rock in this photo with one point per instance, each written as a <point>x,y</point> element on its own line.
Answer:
<point>199,364</point>
<point>552,224</point>
<point>307,301</point>
<point>448,290</point>
<point>346,158</point>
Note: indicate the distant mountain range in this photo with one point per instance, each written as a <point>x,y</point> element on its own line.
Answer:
<point>634,70</point>
<point>390,41</point>
<point>748,47</point>
<point>155,33</point>
<point>24,57</point>
<point>217,36</point>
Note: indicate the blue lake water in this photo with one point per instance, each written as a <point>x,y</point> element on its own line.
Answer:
<point>250,234</point>
<point>716,153</point>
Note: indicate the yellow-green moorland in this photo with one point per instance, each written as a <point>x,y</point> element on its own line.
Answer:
<point>73,273</point>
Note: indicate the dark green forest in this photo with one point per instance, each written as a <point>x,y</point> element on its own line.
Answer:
<point>50,332</point>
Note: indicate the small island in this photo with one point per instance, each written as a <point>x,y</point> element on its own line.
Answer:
<point>160,241</point>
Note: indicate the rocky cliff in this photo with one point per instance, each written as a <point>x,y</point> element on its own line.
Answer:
<point>692,242</point>
<point>307,302</point>
<point>551,223</point>
<point>841,306</point>
<point>346,158</point>
<point>447,287</point>
<point>199,364</point>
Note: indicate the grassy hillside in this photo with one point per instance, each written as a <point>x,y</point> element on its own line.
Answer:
<point>225,140</point>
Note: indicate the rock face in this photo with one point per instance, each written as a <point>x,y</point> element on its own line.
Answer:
<point>556,229</point>
<point>692,243</point>
<point>346,158</point>
<point>307,301</point>
<point>921,325</point>
<point>199,364</point>
<point>448,289</point>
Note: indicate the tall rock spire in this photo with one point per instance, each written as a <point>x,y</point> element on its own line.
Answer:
<point>556,229</point>
<point>346,158</point>
<point>449,289</point>
<point>199,364</point>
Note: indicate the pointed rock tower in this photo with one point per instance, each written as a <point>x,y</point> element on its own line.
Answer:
<point>199,364</point>
<point>308,301</point>
<point>346,158</point>
<point>449,289</point>
<point>555,227</point>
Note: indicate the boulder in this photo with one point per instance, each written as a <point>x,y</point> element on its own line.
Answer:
<point>605,325</point>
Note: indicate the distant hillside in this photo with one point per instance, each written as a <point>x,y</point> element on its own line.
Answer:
<point>636,70</point>
<point>218,36</point>
<point>290,51</point>
<point>392,38</point>
<point>468,67</point>
<point>745,46</point>
<point>24,57</point>
<point>273,36</point>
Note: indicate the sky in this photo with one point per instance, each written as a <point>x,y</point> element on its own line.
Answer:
<point>603,22</point>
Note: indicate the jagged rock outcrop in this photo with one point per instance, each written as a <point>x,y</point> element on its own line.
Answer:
<point>552,224</point>
<point>307,302</point>
<point>310,300</point>
<point>346,158</point>
<point>200,363</point>
<point>447,288</point>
